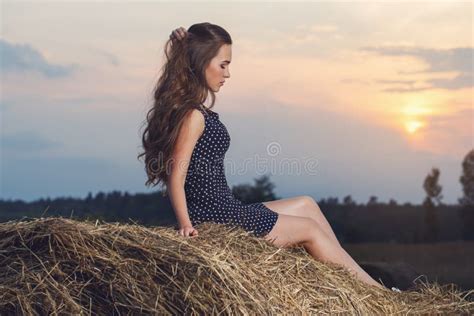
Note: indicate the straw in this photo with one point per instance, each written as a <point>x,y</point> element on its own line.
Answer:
<point>58,265</point>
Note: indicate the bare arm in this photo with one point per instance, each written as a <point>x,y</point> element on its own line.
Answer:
<point>191,130</point>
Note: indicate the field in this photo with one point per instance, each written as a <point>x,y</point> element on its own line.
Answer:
<point>446,262</point>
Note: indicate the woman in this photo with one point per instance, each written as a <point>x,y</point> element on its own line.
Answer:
<point>185,144</point>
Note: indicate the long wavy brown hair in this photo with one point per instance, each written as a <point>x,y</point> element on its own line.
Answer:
<point>181,87</point>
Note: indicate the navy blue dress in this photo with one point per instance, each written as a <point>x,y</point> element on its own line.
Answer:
<point>208,196</point>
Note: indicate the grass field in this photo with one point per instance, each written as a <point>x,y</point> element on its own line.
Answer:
<point>446,262</point>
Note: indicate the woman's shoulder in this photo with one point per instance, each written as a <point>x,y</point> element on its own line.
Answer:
<point>195,121</point>
<point>206,111</point>
<point>196,115</point>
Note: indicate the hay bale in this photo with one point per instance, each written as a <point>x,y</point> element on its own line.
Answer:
<point>60,265</point>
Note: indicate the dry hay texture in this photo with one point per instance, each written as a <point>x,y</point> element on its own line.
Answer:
<point>58,265</point>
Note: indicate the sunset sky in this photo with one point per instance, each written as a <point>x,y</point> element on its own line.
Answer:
<point>373,95</point>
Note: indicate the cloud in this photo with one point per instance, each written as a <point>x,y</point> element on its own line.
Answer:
<point>24,58</point>
<point>438,60</point>
<point>109,57</point>
<point>405,82</point>
<point>463,80</point>
<point>406,85</point>
<point>409,89</point>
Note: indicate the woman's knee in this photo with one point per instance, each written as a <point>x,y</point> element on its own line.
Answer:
<point>308,200</point>
<point>311,204</point>
<point>311,208</point>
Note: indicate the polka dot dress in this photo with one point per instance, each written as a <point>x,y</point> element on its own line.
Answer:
<point>208,196</point>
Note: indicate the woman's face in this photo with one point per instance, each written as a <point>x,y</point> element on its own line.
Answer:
<point>218,69</point>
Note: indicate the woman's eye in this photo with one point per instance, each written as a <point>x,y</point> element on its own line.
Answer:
<point>222,67</point>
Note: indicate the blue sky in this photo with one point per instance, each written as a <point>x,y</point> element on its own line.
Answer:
<point>365,98</point>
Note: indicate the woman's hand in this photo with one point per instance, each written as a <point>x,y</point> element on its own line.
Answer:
<point>188,231</point>
<point>178,34</point>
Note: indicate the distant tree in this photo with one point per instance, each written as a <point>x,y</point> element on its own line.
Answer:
<point>261,191</point>
<point>243,192</point>
<point>89,197</point>
<point>431,221</point>
<point>100,197</point>
<point>392,202</point>
<point>265,187</point>
<point>432,187</point>
<point>372,203</point>
<point>433,193</point>
<point>348,201</point>
<point>332,201</point>
<point>372,200</point>
<point>467,200</point>
<point>467,179</point>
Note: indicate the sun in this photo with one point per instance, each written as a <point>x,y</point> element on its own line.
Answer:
<point>412,126</point>
<point>413,113</point>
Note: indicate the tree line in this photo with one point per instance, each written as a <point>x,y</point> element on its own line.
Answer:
<point>431,221</point>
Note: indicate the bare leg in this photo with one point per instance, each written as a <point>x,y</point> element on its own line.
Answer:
<point>340,256</point>
<point>347,260</point>
<point>290,230</point>
<point>323,222</point>
<point>304,206</point>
